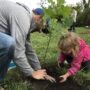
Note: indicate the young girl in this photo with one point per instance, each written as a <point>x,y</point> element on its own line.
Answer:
<point>77,53</point>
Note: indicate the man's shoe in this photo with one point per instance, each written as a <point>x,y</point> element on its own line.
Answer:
<point>1,88</point>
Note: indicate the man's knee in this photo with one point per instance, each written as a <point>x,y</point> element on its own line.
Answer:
<point>10,42</point>
<point>6,41</point>
<point>11,47</point>
<point>7,44</point>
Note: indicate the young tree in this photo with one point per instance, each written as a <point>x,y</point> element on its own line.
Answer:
<point>56,9</point>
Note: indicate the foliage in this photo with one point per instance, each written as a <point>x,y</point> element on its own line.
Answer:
<point>57,10</point>
<point>83,9</point>
<point>86,4</point>
<point>84,18</point>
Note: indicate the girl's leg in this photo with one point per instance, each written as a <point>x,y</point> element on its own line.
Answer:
<point>69,59</point>
<point>86,65</point>
<point>7,46</point>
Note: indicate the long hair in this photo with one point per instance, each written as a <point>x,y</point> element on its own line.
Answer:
<point>69,41</point>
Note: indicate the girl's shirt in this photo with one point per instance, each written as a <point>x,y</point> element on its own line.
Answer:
<point>82,56</point>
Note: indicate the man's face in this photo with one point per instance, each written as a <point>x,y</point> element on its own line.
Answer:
<point>38,22</point>
<point>38,19</point>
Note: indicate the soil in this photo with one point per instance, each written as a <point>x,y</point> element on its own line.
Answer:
<point>70,84</point>
<point>46,85</point>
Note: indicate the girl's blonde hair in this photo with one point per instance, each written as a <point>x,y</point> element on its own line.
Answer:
<point>69,41</point>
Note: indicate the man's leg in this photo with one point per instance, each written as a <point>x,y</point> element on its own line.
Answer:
<point>73,27</point>
<point>7,46</point>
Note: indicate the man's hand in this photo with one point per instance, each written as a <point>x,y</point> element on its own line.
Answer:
<point>50,78</point>
<point>39,74</point>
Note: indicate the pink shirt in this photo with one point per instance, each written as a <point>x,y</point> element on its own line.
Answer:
<point>82,56</point>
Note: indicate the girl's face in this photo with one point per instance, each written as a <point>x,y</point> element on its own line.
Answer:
<point>67,51</point>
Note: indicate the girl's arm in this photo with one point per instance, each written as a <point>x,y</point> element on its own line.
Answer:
<point>75,65</point>
<point>61,58</point>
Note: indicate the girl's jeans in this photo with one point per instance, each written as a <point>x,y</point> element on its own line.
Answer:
<point>7,46</point>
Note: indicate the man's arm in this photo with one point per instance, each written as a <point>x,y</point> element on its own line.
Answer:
<point>31,56</point>
<point>18,30</point>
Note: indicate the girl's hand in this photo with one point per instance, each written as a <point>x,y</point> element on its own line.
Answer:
<point>63,78</point>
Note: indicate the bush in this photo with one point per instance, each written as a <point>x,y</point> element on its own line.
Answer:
<point>83,18</point>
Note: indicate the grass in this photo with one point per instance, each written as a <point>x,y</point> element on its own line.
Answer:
<point>40,43</point>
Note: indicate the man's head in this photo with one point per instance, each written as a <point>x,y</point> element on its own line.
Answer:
<point>41,26</point>
<point>38,14</point>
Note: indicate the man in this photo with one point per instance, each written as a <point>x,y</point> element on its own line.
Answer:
<point>74,17</point>
<point>16,23</point>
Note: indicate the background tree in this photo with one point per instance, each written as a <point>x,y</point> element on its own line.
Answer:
<point>83,18</point>
<point>57,12</point>
<point>56,9</point>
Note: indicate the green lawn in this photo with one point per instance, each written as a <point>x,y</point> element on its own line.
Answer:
<point>40,43</point>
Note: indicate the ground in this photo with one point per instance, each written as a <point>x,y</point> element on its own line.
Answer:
<point>48,59</point>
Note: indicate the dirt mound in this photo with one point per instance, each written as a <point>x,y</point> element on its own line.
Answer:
<point>70,84</point>
<point>46,85</point>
